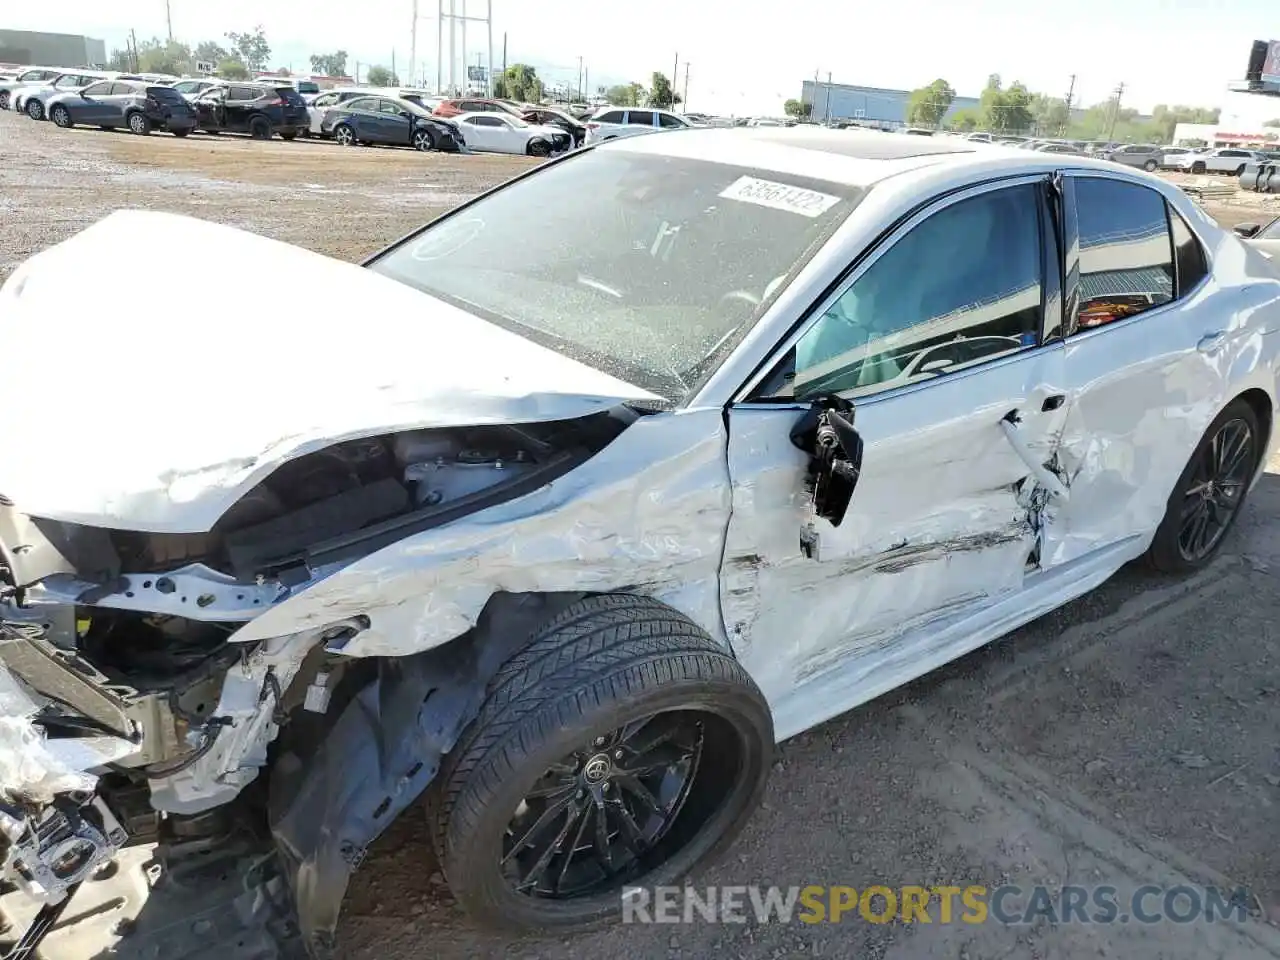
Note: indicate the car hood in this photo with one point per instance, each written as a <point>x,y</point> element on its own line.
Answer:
<point>141,391</point>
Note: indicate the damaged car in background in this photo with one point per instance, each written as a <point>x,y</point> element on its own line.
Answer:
<point>653,457</point>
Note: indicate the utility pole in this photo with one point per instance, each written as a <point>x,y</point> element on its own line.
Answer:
<point>464,47</point>
<point>685,98</point>
<point>453,50</point>
<point>168,16</point>
<point>133,52</point>
<point>488,20</point>
<point>394,76</point>
<point>1071,94</point>
<point>675,71</point>
<point>586,83</point>
<point>578,90</point>
<point>827,99</point>
<point>413,48</point>
<point>1115,111</point>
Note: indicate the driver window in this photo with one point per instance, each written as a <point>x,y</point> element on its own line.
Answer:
<point>962,287</point>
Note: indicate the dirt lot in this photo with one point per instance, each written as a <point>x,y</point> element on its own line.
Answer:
<point>1132,737</point>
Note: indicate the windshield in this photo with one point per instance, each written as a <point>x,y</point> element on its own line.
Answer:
<point>645,266</point>
<point>306,86</point>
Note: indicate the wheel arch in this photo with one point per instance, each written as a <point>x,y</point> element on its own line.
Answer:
<point>341,778</point>
<point>1263,407</point>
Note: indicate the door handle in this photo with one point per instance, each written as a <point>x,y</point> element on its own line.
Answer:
<point>1212,342</point>
<point>1053,402</point>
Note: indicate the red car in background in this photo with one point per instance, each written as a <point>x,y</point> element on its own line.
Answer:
<point>451,108</point>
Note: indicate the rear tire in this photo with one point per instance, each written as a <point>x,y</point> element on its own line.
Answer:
<point>61,117</point>
<point>4,99</point>
<point>1198,167</point>
<point>180,133</point>
<point>1150,166</point>
<point>260,128</point>
<point>138,124</point>
<point>1202,490</point>
<point>35,109</point>
<point>539,148</point>
<point>291,135</point>
<point>665,734</point>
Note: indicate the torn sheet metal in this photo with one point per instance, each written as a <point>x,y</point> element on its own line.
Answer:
<point>33,767</point>
<point>412,362</point>
<point>939,526</point>
<point>646,515</point>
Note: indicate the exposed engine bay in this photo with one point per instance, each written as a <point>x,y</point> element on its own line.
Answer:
<point>117,648</point>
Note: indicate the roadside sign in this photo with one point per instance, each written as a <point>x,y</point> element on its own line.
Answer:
<point>205,66</point>
<point>1271,66</point>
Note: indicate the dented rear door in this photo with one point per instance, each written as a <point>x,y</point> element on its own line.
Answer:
<point>939,343</point>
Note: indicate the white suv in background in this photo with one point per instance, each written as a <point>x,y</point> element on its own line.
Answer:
<point>1223,160</point>
<point>611,122</point>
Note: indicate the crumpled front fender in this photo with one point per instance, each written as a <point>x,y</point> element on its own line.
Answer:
<point>382,751</point>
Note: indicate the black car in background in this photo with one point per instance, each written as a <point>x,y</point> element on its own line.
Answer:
<point>390,120</point>
<point>258,109</point>
<point>139,105</point>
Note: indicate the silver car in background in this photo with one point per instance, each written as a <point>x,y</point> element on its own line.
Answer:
<point>31,99</point>
<point>1146,156</point>
<point>28,77</point>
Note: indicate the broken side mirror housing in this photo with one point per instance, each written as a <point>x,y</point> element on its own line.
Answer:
<point>827,434</point>
<point>1246,230</point>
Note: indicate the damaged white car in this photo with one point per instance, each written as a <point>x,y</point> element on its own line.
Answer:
<point>551,519</point>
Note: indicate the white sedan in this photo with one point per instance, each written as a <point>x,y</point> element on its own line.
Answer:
<point>639,464</point>
<point>493,132</point>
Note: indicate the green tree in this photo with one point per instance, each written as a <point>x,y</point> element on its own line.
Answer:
<point>1166,118</point>
<point>251,49</point>
<point>965,120</point>
<point>797,108</point>
<point>625,95</point>
<point>1272,123</point>
<point>232,69</point>
<point>121,61</point>
<point>158,56</point>
<point>660,92</point>
<point>330,64</point>
<point>210,51</point>
<point>928,105</point>
<point>519,82</point>
<point>380,76</point>
<point>1005,110</point>
<point>1050,115</point>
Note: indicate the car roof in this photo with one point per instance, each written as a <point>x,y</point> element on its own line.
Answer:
<point>854,157</point>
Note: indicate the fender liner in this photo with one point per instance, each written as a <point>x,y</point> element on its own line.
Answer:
<point>381,753</point>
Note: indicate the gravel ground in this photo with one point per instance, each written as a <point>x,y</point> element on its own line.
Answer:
<point>1130,737</point>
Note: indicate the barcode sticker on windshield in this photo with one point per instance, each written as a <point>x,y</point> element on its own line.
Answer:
<point>780,196</point>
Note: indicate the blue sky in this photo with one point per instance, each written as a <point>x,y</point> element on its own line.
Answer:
<point>746,56</point>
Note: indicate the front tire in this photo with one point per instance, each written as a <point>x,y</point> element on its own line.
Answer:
<point>4,99</point>
<point>61,117</point>
<point>422,141</point>
<point>621,728</point>
<point>35,109</point>
<point>539,148</point>
<point>344,136</point>
<point>1210,492</point>
<point>1150,166</point>
<point>291,135</point>
<point>1198,167</point>
<point>182,132</point>
<point>139,124</point>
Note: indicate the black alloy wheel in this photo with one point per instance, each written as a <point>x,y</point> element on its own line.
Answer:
<point>590,820</point>
<point>622,746</point>
<point>1208,496</point>
<point>1222,473</point>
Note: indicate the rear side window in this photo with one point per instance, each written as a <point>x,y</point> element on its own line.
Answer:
<point>98,90</point>
<point>1126,256</point>
<point>642,117</point>
<point>613,116</point>
<point>1190,262</point>
<point>244,93</point>
<point>289,95</point>
<point>123,89</point>
<point>165,94</point>
<point>667,120</point>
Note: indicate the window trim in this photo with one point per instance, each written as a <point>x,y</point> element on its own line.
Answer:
<point>747,393</point>
<point>1079,336</point>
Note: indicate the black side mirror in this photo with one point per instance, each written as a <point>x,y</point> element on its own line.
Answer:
<point>1246,230</point>
<point>827,434</point>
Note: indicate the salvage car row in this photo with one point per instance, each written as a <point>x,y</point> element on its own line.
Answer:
<point>144,103</point>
